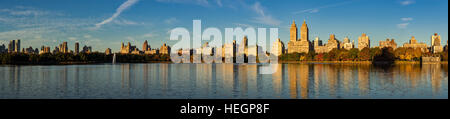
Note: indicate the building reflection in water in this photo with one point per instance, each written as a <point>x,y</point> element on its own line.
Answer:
<point>318,74</point>
<point>253,83</point>
<point>277,81</point>
<point>347,78</point>
<point>203,78</point>
<point>225,72</point>
<point>292,74</point>
<point>303,81</point>
<point>436,79</point>
<point>363,79</point>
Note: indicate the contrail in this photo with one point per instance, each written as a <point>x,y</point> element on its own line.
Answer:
<point>119,10</point>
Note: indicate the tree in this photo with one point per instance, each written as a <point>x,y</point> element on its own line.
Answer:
<point>354,52</point>
<point>386,56</point>
<point>364,55</point>
<point>374,52</point>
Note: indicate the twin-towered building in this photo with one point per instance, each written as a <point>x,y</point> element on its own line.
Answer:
<point>302,45</point>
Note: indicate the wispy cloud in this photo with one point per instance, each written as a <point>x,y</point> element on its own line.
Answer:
<point>27,11</point>
<point>402,25</point>
<point>171,20</point>
<point>263,18</point>
<point>407,19</point>
<point>119,11</point>
<point>317,9</point>
<point>197,2</point>
<point>407,2</point>
<point>125,22</point>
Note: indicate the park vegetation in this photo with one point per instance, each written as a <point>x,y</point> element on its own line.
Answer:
<point>366,54</point>
<point>81,58</point>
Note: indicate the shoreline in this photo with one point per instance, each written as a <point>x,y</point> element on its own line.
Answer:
<point>359,62</point>
<point>281,62</point>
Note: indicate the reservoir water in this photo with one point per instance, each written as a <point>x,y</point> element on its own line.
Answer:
<point>224,81</point>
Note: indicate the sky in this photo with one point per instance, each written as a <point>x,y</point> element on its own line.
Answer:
<point>107,23</point>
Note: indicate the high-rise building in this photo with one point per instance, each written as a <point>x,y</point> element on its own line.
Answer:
<point>330,45</point>
<point>333,43</point>
<point>165,49</point>
<point>145,46</point>
<point>243,46</point>
<point>127,49</point>
<point>44,50</point>
<point>304,32</point>
<point>77,48</point>
<point>317,42</point>
<point>63,48</point>
<point>388,43</point>
<point>278,47</point>
<point>17,46</point>
<point>229,51</point>
<point>436,43</point>
<point>299,46</point>
<point>347,44</point>
<point>108,51</point>
<point>363,41</point>
<point>11,46</point>
<point>293,32</point>
<point>414,44</point>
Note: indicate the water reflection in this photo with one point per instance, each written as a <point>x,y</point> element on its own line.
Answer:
<point>296,81</point>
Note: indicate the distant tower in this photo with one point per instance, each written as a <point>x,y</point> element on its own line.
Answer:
<point>11,46</point>
<point>17,46</point>
<point>304,32</point>
<point>436,43</point>
<point>77,48</point>
<point>65,48</point>
<point>436,40</point>
<point>245,45</point>
<point>346,40</point>
<point>294,32</point>
<point>108,51</point>
<point>363,42</point>
<point>317,42</point>
<point>145,46</point>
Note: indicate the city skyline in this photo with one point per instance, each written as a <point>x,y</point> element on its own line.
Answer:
<point>114,22</point>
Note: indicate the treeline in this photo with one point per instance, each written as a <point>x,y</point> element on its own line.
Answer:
<point>57,58</point>
<point>82,58</point>
<point>133,58</point>
<point>366,54</point>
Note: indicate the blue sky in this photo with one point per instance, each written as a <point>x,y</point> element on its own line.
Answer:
<point>106,23</point>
